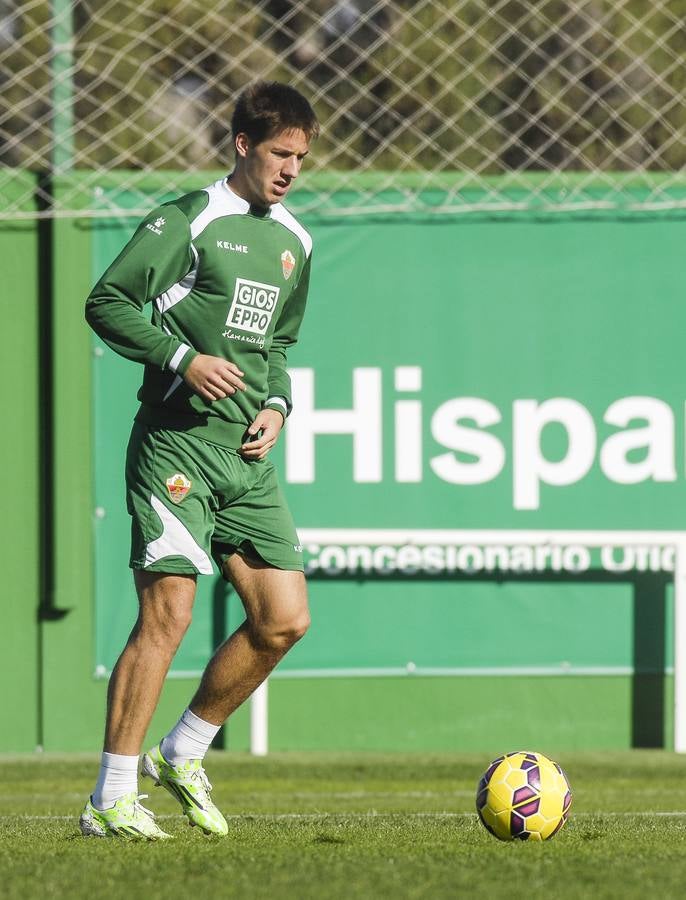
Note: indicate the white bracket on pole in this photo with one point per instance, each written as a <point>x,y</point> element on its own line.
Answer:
<point>259,734</point>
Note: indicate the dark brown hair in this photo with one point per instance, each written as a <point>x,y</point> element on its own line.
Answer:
<point>267,108</point>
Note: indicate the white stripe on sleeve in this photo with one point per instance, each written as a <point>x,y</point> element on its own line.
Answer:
<point>279,402</point>
<point>178,356</point>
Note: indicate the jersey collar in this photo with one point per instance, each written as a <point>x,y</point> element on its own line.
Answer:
<point>238,204</point>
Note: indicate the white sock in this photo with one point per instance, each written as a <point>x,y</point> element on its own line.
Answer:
<point>190,738</point>
<point>118,776</point>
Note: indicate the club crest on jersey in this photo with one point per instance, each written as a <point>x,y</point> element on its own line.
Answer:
<point>178,486</point>
<point>287,264</point>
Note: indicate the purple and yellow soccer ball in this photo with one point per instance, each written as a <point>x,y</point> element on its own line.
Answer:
<point>523,796</point>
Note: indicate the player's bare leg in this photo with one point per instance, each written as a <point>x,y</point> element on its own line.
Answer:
<point>275,603</point>
<point>165,609</point>
<point>165,605</point>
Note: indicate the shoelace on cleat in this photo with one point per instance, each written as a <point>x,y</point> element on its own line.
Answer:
<point>201,776</point>
<point>139,808</point>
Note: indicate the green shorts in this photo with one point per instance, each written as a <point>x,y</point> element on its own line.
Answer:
<point>189,500</point>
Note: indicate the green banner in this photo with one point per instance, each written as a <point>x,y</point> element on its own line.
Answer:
<point>508,375</point>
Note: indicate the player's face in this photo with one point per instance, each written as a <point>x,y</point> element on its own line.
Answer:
<point>267,170</point>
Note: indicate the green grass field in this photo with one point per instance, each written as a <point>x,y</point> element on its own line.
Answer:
<point>353,826</point>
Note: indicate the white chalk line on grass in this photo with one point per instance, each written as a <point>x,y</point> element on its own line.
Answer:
<point>673,814</point>
<point>362,795</point>
<point>301,795</point>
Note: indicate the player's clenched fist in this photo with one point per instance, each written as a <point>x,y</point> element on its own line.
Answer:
<point>213,378</point>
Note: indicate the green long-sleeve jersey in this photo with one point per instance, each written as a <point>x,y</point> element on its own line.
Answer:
<point>225,279</point>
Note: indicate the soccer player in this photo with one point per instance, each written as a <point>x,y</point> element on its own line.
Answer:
<point>227,271</point>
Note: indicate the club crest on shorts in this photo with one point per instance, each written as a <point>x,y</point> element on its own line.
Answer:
<point>287,264</point>
<point>178,486</point>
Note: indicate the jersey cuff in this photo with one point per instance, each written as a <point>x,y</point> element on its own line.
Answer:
<point>176,359</point>
<point>277,403</point>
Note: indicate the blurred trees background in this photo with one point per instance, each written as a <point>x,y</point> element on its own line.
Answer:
<point>399,85</point>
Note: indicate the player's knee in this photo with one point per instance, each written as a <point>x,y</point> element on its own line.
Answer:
<point>298,628</point>
<point>178,624</point>
<point>166,608</point>
<point>282,636</point>
<point>167,629</point>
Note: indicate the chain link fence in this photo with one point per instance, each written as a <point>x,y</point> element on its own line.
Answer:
<point>426,105</point>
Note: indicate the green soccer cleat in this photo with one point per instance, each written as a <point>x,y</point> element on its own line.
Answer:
<point>189,784</point>
<point>126,819</point>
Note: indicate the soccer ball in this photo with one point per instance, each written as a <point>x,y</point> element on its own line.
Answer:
<point>523,795</point>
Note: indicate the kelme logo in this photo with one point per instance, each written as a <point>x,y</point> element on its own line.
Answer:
<point>178,486</point>
<point>157,226</point>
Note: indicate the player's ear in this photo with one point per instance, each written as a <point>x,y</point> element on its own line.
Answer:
<point>242,144</point>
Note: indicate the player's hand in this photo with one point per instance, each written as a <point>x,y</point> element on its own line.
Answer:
<point>265,430</point>
<point>213,377</point>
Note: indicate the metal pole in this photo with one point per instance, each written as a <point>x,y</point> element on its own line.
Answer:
<point>62,72</point>
<point>259,737</point>
<point>680,647</point>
